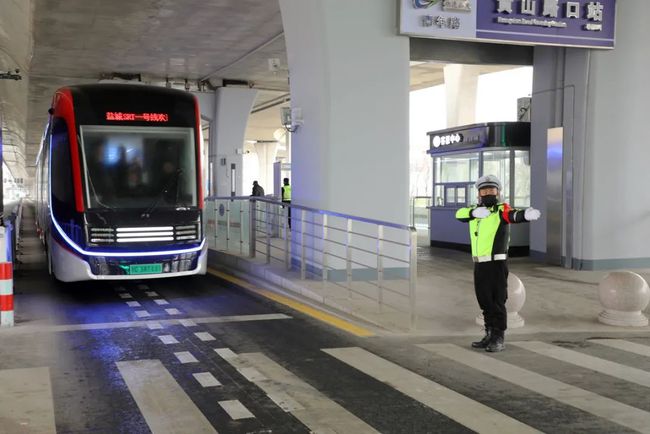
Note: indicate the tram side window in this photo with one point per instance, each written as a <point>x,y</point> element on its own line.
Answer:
<point>62,194</point>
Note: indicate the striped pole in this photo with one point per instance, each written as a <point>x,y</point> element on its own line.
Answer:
<point>6,282</point>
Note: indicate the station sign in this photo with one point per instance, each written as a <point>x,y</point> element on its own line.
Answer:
<point>584,23</point>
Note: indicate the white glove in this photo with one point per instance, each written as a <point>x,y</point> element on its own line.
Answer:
<point>481,212</point>
<point>532,214</point>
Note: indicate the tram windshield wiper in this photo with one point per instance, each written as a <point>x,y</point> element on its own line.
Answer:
<point>173,178</point>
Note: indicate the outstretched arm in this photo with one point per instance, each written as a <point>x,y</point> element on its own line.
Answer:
<point>465,214</point>
<point>514,215</point>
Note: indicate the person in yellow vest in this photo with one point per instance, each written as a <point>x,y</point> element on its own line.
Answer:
<point>489,230</point>
<point>286,197</point>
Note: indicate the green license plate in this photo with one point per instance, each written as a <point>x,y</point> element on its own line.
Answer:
<point>145,268</point>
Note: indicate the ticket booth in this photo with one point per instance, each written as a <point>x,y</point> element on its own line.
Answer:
<point>463,154</point>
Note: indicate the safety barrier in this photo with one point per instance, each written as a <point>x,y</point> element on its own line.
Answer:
<point>344,257</point>
<point>6,279</point>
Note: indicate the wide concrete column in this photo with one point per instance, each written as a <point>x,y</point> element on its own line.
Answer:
<point>349,75</point>
<point>232,109</point>
<point>461,84</point>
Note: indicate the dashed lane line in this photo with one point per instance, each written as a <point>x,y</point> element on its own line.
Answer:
<point>236,410</point>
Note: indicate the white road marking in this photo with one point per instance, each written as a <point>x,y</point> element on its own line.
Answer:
<point>28,329</point>
<point>143,287</point>
<point>204,336</point>
<point>185,357</point>
<point>154,325</point>
<point>619,344</point>
<point>168,339</point>
<point>173,311</point>
<point>133,304</point>
<point>225,353</point>
<point>467,412</point>
<point>590,402</point>
<point>613,369</point>
<point>26,403</point>
<point>161,302</point>
<point>142,314</point>
<point>206,379</point>
<point>251,374</point>
<point>151,294</point>
<point>319,413</point>
<point>236,410</point>
<point>125,295</point>
<point>164,405</point>
<point>120,289</point>
<point>187,323</point>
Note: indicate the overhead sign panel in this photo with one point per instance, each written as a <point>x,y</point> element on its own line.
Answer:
<point>530,22</point>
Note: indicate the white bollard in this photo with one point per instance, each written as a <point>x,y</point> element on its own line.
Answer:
<point>6,282</point>
<point>516,300</point>
<point>624,295</point>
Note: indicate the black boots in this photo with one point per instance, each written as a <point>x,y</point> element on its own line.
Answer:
<point>496,343</point>
<point>483,343</point>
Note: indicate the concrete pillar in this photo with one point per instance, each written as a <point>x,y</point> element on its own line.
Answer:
<point>266,153</point>
<point>461,83</point>
<point>350,76</point>
<point>232,109</point>
<point>605,157</point>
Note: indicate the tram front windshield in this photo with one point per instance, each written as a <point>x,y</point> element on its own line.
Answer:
<point>139,167</point>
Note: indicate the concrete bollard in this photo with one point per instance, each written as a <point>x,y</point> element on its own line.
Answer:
<point>516,300</point>
<point>6,282</point>
<point>624,295</point>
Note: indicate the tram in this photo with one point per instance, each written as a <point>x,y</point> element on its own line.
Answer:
<point>119,184</point>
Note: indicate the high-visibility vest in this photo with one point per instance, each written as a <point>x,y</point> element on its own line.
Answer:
<point>286,193</point>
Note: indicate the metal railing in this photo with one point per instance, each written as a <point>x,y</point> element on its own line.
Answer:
<point>420,211</point>
<point>348,257</point>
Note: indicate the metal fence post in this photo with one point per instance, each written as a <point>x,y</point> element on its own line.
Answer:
<point>303,265</point>
<point>348,256</point>
<point>324,261</point>
<point>241,227</point>
<point>380,266</point>
<point>268,233</point>
<point>287,256</point>
<point>413,275</point>
<point>216,226</point>
<point>227,225</point>
<point>252,232</point>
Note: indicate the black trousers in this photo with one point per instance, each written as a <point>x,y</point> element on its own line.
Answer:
<point>491,287</point>
<point>288,212</point>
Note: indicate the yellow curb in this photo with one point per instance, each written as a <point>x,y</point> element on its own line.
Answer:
<point>300,307</point>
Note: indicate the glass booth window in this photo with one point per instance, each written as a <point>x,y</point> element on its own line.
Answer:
<point>456,168</point>
<point>498,163</point>
<point>522,179</point>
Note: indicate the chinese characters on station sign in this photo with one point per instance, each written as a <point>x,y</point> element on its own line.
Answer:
<point>531,22</point>
<point>137,117</point>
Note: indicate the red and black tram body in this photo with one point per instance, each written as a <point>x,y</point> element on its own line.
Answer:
<point>119,183</point>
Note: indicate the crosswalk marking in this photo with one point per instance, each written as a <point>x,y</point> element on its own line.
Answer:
<point>143,287</point>
<point>154,325</point>
<point>187,323</point>
<point>206,379</point>
<point>225,353</point>
<point>161,301</point>
<point>630,347</point>
<point>236,410</point>
<point>590,402</point>
<point>26,403</point>
<point>173,311</point>
<point>125,295</point>
<point>185,357</point>
<point>613,369</point>
<point>168,339</point>
<point>151,294</point>
<point>204,336</point>
<point>133,304</point>
<point>120,289</point>
<point>293,395</point>
<point>142,314</point>
<point>164,405</point>
<point>463,410</point>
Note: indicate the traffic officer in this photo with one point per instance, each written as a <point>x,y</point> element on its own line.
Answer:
<point>489,232</point>
<point>286,197</point>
